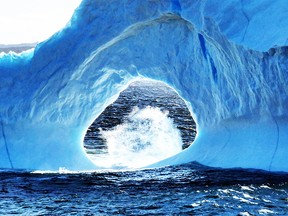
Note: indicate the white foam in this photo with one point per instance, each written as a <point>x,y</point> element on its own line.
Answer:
<point>146,137</point>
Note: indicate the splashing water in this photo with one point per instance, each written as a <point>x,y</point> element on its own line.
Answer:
<point>147,136</point>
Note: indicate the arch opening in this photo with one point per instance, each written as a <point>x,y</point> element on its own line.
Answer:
<point>147,123</point>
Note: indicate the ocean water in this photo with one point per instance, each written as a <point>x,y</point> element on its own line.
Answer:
<point>188,189</point>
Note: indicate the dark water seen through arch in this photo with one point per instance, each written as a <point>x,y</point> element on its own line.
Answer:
<point>141,94</point>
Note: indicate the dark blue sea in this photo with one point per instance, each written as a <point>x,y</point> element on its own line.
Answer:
<point>188,189</point>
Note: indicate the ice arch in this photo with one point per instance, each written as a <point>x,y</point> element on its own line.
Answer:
<point>240,106</point>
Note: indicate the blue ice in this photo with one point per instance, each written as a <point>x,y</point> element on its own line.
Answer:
<point>228,62</point>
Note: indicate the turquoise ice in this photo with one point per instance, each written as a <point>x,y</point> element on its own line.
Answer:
<point>227,60</point>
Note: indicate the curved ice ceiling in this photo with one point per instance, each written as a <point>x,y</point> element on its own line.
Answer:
<point>227,60</point>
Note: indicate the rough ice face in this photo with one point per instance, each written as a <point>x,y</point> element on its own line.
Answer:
<point>235,88</point>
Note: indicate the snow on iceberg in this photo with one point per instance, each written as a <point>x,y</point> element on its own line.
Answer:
<point>220,58</point>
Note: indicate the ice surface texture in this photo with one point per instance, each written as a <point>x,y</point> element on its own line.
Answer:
<point>220,57</point>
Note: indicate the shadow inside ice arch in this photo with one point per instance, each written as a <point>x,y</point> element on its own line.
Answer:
<point>147,123</point>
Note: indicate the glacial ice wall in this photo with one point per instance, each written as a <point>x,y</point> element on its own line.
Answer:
<point>227,60</point>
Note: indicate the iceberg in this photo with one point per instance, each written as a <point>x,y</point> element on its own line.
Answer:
<point>227,60</point>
